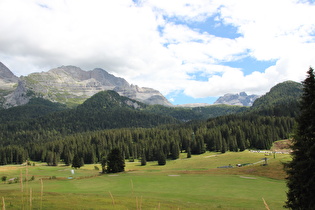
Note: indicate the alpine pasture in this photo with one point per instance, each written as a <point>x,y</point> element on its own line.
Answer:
<point>185,183</point>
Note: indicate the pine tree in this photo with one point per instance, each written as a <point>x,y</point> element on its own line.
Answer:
<point>143,159</point>
<point>161,159</point>
<point>68,158</point>
<point>115,161</point>
<point>56,158</point>
<point>224,146</point>
<point>301,175</point>
<point>103,164</point>
<point>174,151</point>
<point>77,162</point>
<point>50,158</point>
<point>188,152</point>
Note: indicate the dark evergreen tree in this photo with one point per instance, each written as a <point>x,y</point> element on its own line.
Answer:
<point>56,159</point>
<point>143,159</point>
<point>224,146</point>
<point>3,158</point>
<point>188,152</point>
<point>50,158</point>
<point>174,151</point>
<point>115,161</point>
<point>68,157</point>
<point>161,159</point>
<point>77,162</point>
<point>103,164</point>
<point>301,173</point>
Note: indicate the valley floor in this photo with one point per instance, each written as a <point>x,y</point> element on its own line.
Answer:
<point>194,183</point>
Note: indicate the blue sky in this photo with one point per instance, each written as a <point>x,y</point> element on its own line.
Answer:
<point>192,51</point>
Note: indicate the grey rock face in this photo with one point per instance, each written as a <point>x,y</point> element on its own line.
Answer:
<point>72,85</point>
<point>8,82</point>
<point>6,76</point>
<point>19,97</point>
<point>241,99</point>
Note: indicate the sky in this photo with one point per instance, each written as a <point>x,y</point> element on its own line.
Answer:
<point>192,51</point>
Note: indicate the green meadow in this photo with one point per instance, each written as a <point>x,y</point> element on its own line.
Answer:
<point>194,183</point>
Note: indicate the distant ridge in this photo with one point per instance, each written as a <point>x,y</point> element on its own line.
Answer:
<point>194,105</point>
<point>240,99</point>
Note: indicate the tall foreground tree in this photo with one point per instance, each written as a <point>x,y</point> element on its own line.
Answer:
<point>301,170</point>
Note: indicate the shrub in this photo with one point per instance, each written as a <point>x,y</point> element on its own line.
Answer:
<point>4,178</point>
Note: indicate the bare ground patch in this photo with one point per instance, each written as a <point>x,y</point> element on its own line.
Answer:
<point>8,168</point>
<point>247,177</point>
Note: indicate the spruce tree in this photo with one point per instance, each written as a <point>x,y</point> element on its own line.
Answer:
<point>188,152</point>
<point>143,159</point>
<point>115,161</point>
<point>103,164</point>
<point>175,151</point>
<point>161,159</point>
<point>56,158</point>
<point>49,158</point>
<point>301,170</point>
<point>77,162</point>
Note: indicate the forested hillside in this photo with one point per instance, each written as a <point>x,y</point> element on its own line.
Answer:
<point>196,113</point>
<point>281,100</point>
<point>108,120</point>
<point>105,110</point>
<point>37,107</point>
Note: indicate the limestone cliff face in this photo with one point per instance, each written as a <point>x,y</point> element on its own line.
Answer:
<point>72,85</point>
<point>6,76</point>
<point>8,82</point>
<point>18,97</point>
<point>241,99</point>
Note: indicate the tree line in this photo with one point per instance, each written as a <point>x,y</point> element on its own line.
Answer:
<point>221,134</point>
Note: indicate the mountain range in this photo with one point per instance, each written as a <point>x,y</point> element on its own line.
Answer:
<point>41,120</point>
<point>69,85</point>
<point>41,127</point>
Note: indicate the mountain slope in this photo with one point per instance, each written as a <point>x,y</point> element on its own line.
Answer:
<point>281,100</point>
<point>72,86</point>
<point>195,113</point>
<point>35,108</point>
<point>104,110</point>
<point>8,82</point>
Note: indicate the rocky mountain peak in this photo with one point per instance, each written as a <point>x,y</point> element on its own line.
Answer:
<point>72,86</point>
<point>243,94</point>
<point>8,83</point>
<point>240,99</point>
<point>6,75</point>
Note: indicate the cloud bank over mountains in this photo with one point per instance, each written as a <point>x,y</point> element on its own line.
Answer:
<point>191,47</point>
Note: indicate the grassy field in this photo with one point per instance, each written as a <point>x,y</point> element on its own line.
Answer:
<point>194,183</point>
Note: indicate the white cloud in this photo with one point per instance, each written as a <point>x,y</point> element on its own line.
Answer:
<point>271,30</point>
<point>186,10</point>
<point>150,44</point>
